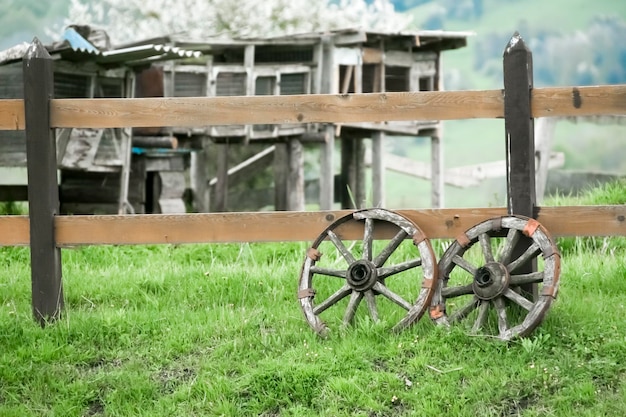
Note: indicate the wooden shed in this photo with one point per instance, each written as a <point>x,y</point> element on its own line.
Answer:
<point>100,170</point>
<point>336,62</point>
<point>149,169</point>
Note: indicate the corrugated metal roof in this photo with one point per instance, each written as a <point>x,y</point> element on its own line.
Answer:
<point>76,48</point>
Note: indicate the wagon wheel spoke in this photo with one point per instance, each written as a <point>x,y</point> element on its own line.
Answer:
<point>450,292</point>
<point>485,245</point>
<point>464,311</point>
<point>524,279</point>
<point>347,255</point>
<point>370,299</point>
<point>385,272</point>
<point>500,307</point>
<point>339,273</point>
<point>512,238</point>
<point>464,264</point>
<point>368,238</point>
<point>518,299</point>
<point>483,312</point>
<point>353,304</point>
<point>390,248</point>
<point>333,299</point>
<point>530,253</point>
<point>386,292</point>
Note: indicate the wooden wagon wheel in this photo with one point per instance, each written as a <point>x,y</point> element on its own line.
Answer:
<point>484,286</point>
<point>362,267</point>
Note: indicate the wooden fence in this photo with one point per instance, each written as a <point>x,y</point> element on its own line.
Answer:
<point>518,103</point>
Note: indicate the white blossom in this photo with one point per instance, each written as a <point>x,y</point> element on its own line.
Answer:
<point>130,20</point>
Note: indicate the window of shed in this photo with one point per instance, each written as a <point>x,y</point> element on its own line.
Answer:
<point>230,84</point>
<point>189,84</point>
<point>71,85</point>
<point>293,84</point>
<point>427,83</point>
<point>396,79</point>
<point>110,87</point>
<point>264,86</point>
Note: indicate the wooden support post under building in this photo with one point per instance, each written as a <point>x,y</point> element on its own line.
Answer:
<point>198,174</point>
<point>520,142</point>
<point>221,187</point>
<point>327,170</point>
<point>436,166</point>
<point>295,177</point>
<point>378,168</point>
<point>352,173</point>
<point>43,192</point>
<point>289,176</point>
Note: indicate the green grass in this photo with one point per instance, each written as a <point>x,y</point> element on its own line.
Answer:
<point>210,330</point>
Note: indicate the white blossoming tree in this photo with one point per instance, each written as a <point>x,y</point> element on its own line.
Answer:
<point>127,20</point>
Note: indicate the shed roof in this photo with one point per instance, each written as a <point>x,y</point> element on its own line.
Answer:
<point>75,47</point>
<point>437,40</point>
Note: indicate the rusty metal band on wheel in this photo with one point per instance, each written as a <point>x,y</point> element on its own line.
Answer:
<point>531,227</point>
<point>313,254</point>
<point>463,240</point>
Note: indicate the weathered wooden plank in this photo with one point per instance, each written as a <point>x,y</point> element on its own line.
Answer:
<point>12,114</point>
<point>293,226</point>
<point>202,111</point>
<point>43,193</point>
<point>352,108</point>
<point>14,231</point>
<point>579,101</point>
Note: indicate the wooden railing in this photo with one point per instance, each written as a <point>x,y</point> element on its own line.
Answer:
<point>46,232</point>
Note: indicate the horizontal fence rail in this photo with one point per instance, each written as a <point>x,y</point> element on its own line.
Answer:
<point>318,108</point>
<point>293,226</point>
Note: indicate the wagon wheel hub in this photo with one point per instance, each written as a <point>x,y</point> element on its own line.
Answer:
<point>362,275</point>
<point>490,281</point>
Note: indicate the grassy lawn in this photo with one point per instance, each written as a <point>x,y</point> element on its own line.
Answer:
<point>211,330</point>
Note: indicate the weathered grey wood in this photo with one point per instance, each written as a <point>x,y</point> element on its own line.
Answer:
<point>437,190</point>
<point>378,168</point>
<point>520,139</point>
<point>166,142</point>
<point>346,178</point>
<point>221,188</point>
<point>295,179</point>
<point>327,170</point>
<point>281,173</point>
<point>198,171</point>
<point>43,194</point>
<point>81,148</point>
<point>123,205</point>
<point>493,295</point>
<point>544,131</point>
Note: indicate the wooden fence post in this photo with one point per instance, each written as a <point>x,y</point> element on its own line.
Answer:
<point>43,192</point>
<point>520,141</point>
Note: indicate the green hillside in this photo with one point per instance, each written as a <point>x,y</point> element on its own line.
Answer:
<point>571,26</point>
<point>547,27</point>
